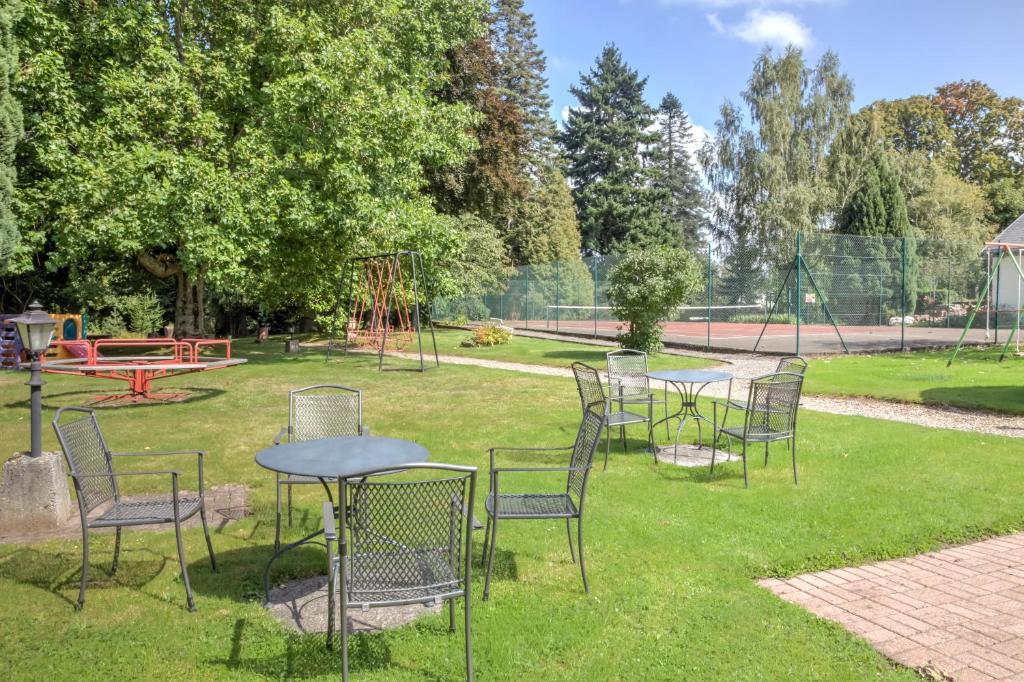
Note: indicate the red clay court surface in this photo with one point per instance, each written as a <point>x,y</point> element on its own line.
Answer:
<point>778,338</point>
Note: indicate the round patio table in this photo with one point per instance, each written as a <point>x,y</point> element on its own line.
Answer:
<point>335,458</point>
<point>688,384</point>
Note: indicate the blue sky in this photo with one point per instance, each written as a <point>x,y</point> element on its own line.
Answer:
<point>702,50</point>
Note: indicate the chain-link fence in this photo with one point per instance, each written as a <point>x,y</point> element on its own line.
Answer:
<point>821,293</point>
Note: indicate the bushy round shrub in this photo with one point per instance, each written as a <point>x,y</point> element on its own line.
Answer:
<point>646,287</point>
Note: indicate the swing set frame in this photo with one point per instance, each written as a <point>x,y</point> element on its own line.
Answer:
<point>1004,249</point>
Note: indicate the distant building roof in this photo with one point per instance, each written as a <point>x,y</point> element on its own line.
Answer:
<point>1013,234</point>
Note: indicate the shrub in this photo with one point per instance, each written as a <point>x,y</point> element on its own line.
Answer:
<point>489,335</point>
<point>646,287</point>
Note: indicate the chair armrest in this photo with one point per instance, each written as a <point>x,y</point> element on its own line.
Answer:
<point>280,435</point>
<point>494,451</point>
<point>198,453</point>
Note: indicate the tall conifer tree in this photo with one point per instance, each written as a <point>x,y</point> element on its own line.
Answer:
<point>675,174</point>
<point>605,141</point>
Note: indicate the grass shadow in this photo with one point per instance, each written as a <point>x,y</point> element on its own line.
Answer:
<point>195,395</point>
<point>58,572</point>
<point>989,398</point>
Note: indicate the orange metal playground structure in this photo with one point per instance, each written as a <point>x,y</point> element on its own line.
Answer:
<point>146,361</point>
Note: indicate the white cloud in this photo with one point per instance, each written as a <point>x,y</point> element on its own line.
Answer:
<point>766,27</point>
<point>565,113</point>
<point>700,136</point>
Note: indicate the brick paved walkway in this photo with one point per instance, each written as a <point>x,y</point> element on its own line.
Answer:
<point>953,614</point>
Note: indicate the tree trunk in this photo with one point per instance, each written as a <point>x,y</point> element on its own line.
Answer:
<point>189,321</point>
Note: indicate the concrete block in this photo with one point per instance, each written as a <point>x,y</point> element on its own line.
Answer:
<point>34,494</point>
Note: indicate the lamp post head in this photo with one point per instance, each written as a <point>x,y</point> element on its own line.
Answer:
<point>35,327</point>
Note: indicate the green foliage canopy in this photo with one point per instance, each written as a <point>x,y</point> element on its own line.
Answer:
<point>646,287</point>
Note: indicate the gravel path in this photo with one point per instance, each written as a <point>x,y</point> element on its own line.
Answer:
<point>746,366</point>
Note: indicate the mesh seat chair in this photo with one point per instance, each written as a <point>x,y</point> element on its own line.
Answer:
<point>91,466</point>
<point>321,411</point>
<point>591,391</point>
<point>566,505</point>
<point>769,416</point>
<point>410,542</point>
<point>628,384</point>
<point>791,364</point>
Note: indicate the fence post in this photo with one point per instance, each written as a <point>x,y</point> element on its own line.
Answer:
<point>526,301</point>
<point>596,279</point>
<point>903,297</point>
<point>799,299</point>
<point>949,277</point>
<point>558,293</point>
<point>710,284</point>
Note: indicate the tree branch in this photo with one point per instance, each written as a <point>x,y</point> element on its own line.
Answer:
<point>161,267</point>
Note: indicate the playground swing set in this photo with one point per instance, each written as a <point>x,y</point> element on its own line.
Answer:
<point>1005,252</point>
<point>383,293</point>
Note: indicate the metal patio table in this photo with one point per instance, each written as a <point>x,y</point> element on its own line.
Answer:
<point>688,384</point>
<point>335,458</point>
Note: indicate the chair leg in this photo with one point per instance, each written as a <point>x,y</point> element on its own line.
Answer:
<point>746,484</point>
<point>490,557</point>
<point>290,506</point>
<point>607,445</point>
<point>622,435</point>
<point>85,566</point>
<point>469,637</point>
<point>343,623</point>
<point>568,532</point>
<point>206,532</point>
<point>487,537</point>
<point>700,435</point>
<point>451,615</point>
<point>579,545</point>
<point>793,448</point>
<point>184,568</point>
<point>277,523</point>
<point>117,551</point>
<point>766,454</point>
<point>714,451</point>
<point>330,601</point>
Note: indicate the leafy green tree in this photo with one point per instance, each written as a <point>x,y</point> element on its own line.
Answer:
<point>521,65</point>
<point>492,181</point>
<point>645,289</point>
<point>10,131</point>
<point>605,140</point>
<point>675,174</point>
<point>239,148</point>
<point>545,228</point>
<point>878,208</point>
<point>771,179</point>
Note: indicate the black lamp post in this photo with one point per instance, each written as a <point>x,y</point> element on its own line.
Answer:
<point>35,328</point>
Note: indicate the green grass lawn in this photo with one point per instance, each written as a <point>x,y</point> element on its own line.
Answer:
<point>672,553</point>
<point>975,380</point>
<point>550,353</point>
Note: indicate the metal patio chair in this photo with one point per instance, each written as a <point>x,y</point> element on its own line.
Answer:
<point>409,542</point>
<point>790,364</point>
<point>91,466</point>
<point>320,411</point>
<point>628,384</point>
<point>591,390</point>
<point>566,505</point>
<point>769,416</point>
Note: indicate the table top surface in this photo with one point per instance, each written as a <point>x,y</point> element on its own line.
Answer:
<point>694,376</point>
<point>342,456</point>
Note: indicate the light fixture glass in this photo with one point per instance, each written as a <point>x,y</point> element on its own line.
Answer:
<point>35,327</point>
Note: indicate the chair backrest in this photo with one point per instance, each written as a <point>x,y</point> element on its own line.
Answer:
<point>86,452</point>
<point>627,373</point>
<point>773,402</point>
<point>588,383</point>
<point>583,449</point>
<point>324,411</point>
<point>793,364</point>
<point>410,536</point>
